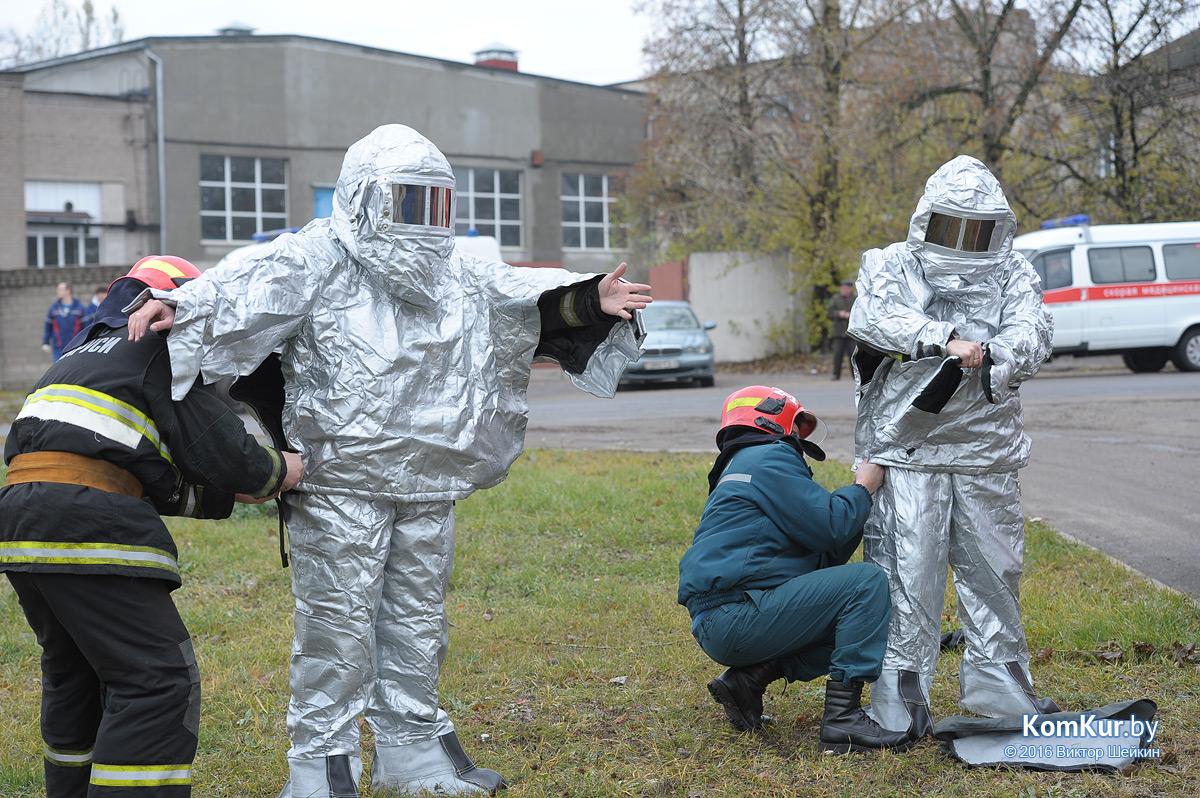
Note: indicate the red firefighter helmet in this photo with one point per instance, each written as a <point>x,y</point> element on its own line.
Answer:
<point>771,410</point>
<point>164,272</point>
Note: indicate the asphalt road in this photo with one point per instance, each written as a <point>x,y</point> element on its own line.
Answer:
<point>1115,462</point>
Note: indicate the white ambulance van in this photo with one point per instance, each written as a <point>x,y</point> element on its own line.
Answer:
<point>1127,289</point>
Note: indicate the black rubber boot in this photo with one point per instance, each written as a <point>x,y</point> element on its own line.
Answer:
<point>920,719</point>
<point>1044,706</point>
<point>739,691</point>
<point>846,727</point>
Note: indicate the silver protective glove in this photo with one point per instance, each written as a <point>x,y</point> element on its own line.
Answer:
<point>996,372</point>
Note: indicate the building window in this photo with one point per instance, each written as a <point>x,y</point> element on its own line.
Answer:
<point>587,202</point>
<point>241,196</point>
<point>61,248</point>
<point>489,202</point>
<point>58,217</point>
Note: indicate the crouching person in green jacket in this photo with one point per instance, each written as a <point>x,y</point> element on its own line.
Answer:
<point>766,579</point>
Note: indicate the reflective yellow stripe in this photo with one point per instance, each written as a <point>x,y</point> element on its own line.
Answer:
<point>745,401</point>
<point>567,309</point>
<point>116,420</point>
<point>169,269</point>
<point>276,466</point>
<point>140,775</point>
<point>41,553</point>
<point>67,759</point>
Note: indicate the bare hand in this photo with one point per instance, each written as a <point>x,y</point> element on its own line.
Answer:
<point>295,472</point>
<point>154,316</point>
<point>969,352</point>
<point>869,475</point>
<point>618,297</point>
<point>246,498</point>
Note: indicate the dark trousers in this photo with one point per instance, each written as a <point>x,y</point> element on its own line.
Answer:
<point>842,346</point>
<point>833,621</point>
<point>120,686</point>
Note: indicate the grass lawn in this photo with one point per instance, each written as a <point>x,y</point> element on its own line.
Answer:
<point>573,672</point>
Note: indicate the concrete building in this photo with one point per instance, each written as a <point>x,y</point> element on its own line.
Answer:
<point>191,145</point>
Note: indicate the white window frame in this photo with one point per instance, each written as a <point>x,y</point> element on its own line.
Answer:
<point>61,236</point>
<point>579,200</point>
<point>262,220</point>
<point>465,218</point>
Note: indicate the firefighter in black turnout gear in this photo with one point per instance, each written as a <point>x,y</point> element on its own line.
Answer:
<point>98,452</point>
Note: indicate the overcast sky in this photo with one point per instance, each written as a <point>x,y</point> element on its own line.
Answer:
<point>591,41</point>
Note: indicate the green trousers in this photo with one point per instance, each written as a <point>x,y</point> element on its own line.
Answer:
<point>833,621</point>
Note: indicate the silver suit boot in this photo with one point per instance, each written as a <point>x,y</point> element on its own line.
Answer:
<point>439,766</point>
<point>323,777</point>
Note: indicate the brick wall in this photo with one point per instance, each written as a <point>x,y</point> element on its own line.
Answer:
<point>25,295</point>
<point>669,280</point>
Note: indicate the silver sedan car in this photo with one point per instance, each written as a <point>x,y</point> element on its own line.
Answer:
<point>677,346</point>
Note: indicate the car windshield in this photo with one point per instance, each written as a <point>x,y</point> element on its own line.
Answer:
<point>669,317</point>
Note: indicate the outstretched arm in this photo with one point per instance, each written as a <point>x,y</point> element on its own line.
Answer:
<point>590,329</point>
<point>618,298</point>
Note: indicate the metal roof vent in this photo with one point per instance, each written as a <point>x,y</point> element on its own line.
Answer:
<point>236,29</point>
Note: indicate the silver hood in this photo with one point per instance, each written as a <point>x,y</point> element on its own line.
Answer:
<point>962,189</point>
<point>406,260</point>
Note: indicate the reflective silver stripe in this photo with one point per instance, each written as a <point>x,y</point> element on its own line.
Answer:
<point>67,758</point>
<point>140,775</point>
<point>40,553</point>
<point>94,411</point>
<point>734,478</point>
<point>190,502</point>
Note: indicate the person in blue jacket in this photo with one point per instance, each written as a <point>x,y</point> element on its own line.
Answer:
<point>63,320</point>
<point>89,313</point>
<point>767,580</point>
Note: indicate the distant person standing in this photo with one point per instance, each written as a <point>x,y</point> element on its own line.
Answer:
<point>839,314</point>
<point>63,320</point>
<point>89,314</point>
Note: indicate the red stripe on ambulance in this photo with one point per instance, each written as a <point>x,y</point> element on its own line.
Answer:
<point>1096,293</point>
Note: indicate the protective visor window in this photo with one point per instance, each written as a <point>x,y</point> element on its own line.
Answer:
<point>962,234</point>
<point>809,428</point>
<point>424,205</point>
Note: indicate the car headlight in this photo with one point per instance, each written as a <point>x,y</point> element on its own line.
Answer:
<point>702,349</point>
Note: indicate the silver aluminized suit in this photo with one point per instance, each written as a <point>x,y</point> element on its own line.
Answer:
<point>405,365</point>
<point>951,495</point>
